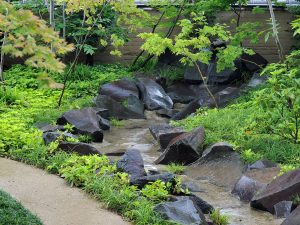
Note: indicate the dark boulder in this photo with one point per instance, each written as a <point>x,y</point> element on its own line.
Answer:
<point>216,151</point>
<point>227,76</point>
<point>262,164</point>
<point>153,95</point>
<point>257,80</point>
<point>181,92</point>
<point>80,148</point>
<point>164,133</point>
<point>104,124</point>
<point>166,113</point>
<point>283,209</point>
<point>166,136</point>
<point>85,121</point>
<point>192,75</point>
<point>185,148</point>
<point>188,110</point>
<point>293,218</point>
<point>221,99</point>
<point>185,93</point>
<point>220,164</point>
<point>52,128</point>
<point>192,187</point>
<point>205,207</point>
<point>142,181</point>
<point>120,90</point>
<point>53,136</point>
<point>254,62</point>
<point>168,58</point>
<point>246,188</point>
<point>212,76</point>
<point>132,163</point>
<point>283,188</point>
<point>119,110</point>
<point>157,128</point>
<point>224,97</point>
<point>181,211</point>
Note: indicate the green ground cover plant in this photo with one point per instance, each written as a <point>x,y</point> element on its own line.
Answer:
<point>242,125</point>
<point>13,213</point>
<point>22,140</point>
<point>175,168</point>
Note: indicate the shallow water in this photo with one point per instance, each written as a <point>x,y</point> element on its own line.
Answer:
<point>215,180</point>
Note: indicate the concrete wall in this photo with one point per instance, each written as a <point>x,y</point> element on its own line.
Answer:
<point>268,50</point>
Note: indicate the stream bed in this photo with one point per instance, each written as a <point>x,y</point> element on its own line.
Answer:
<point>215,181</point>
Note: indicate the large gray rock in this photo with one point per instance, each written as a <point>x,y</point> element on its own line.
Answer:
<point>132,163</point>
<point>221,99</point>
<point>257,80</point>
<point>167,113</point>
<point>205,207</point>
<point>262,164</point>
<point>52,128</point>
<point>165,133</point>
<point>227,76</point>
<point>185,93</point>
<point>79,148</point>
<point>293,218</point>
<point>185,148</point>
<point>157,128</point>
<point>120,90</point>
<point>246,188</point>
<point>220,164</point>
<point>131,109</point>
<point>254,62</point>
<point>49,137</point>
<point>153,95</point>
<point>283,188</point>
<point>181,211</point>
<point>85,121</point>
<point>283,209</point>
<point>142,181</point>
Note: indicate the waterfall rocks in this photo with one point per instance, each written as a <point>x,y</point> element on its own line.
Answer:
<point>85,121</point>
<point>185,148</point>
<point>283,188</point>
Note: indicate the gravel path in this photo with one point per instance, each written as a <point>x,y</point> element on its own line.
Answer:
<point>50,198</point>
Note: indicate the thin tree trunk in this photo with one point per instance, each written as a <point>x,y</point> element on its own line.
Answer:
<point>2,79</point>
<point>64,20</point>
<point>275,30</point>
<point>72,67</point>
<point>51,15</point>
<point>153,31</point>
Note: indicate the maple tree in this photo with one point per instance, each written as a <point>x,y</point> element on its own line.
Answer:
<point>26,36</point>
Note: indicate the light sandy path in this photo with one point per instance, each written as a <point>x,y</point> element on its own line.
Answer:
<point>51,199</point>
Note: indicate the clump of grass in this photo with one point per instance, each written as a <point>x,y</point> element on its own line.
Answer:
<point>176,168</point>
<point>219,219</point>
<point>12,212</point>
<point>117,123</point>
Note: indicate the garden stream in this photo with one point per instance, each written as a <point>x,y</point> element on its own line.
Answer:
<point>214,181</point>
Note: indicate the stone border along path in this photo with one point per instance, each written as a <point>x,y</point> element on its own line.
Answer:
<point>50,198</point>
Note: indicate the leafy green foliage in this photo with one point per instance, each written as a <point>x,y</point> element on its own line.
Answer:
<point>77,169</point>
<point>194,40</point>
<point>250,157</point>
<point>155,191</point>
<point>281,100</point>
<point>175,168</point>
<point>117,123</point>
<point>12,212</point>
<point>218,219</point>
<point>31,38</point>
<point>238,125</point>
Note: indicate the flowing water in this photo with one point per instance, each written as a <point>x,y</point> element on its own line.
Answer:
<point>214,180</point>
